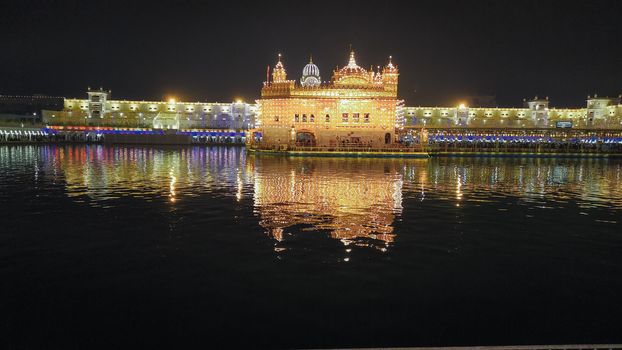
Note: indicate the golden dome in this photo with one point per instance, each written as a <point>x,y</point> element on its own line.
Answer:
<point>352,74</point>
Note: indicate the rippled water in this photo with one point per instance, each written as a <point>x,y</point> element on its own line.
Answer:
<point>143,246</point>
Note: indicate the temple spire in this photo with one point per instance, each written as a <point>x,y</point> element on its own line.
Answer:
<point>279,74</point>
<point>390,65</point>
<point>352,61</point>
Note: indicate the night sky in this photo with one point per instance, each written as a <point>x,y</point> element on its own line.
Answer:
<point>203,51</point>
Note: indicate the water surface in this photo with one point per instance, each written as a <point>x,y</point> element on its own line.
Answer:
<point>143,246</point>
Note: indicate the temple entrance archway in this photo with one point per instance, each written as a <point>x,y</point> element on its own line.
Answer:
<point>387,138</point>
<point>305,138</point>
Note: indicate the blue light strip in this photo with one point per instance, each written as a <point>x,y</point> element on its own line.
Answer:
<point>521,139</point>
<point>152,132</point>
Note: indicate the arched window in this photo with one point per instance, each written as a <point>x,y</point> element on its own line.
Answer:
<point>312,118</point>
<point>328,118</point>
<point>296,118</point>
<point>304,118</point>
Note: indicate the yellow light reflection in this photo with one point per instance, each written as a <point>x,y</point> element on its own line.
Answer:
<point>356,200</point>
<point>172,186</point>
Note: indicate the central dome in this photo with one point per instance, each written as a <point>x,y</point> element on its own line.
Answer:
<point>352,67</point>
<point>352,74</point>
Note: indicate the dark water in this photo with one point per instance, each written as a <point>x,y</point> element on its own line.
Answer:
<point>140,247</point>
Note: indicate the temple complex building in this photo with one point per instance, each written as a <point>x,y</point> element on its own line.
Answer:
<point>100,110</point>
<point>599,113</point>
<point>356,108</point>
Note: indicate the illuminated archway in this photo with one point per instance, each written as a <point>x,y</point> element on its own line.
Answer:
<point>305,138</point>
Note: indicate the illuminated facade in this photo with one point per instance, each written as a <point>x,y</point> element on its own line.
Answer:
<point>599,113</point>
<point>357,107</point>
<point>100,110</point>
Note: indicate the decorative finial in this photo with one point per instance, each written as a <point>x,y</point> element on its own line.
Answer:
<point>311,58</point>
<point>352,61</point>
<point>390,58</point>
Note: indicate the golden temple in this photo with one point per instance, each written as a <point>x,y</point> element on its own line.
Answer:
<point>356,108</point>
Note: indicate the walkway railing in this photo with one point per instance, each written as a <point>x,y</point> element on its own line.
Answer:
<point>527,347</point>
<point>533,148</point>
<point>348,149</point>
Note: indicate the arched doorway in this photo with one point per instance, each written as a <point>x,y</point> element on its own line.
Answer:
<point>305,138</point>
<point>387,138</point>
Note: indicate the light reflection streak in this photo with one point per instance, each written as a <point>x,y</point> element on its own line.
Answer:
<point>172,186</point>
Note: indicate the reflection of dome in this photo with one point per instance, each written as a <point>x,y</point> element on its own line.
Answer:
<point>310,75</point>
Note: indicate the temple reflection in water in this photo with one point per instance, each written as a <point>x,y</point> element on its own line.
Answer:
<point>355,200</point>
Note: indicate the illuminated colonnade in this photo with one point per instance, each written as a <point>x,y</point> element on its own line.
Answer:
<point>599,113</point>
<point>100,110</point>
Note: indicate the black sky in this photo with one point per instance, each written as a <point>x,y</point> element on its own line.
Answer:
<point>206,51</point>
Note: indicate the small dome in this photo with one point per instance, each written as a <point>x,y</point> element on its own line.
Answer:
<point>311,69</point>
<point>310,75</point>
